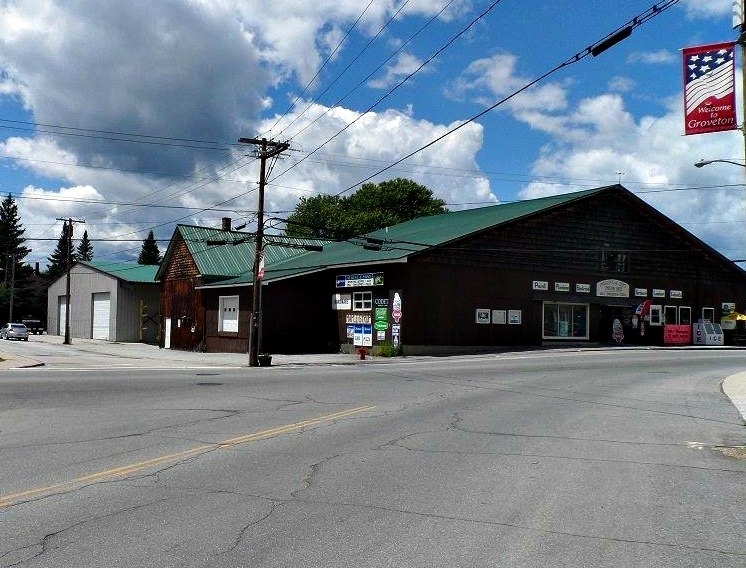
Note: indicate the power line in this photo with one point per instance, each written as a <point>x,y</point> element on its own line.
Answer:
<point>318,71</point>
<point>351,63</point>
<point>400,83</point>
<point>594,50</point>
<point>112,135</point>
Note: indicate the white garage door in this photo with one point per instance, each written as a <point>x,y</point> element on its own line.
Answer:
<point>101,310</point>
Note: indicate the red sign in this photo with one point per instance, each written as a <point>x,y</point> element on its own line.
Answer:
<point>709,88</point>
<point>677,334</point>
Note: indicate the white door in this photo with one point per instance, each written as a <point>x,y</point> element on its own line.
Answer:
<point>167,333</point>
<point>101,312</point>
<point>61,314</point>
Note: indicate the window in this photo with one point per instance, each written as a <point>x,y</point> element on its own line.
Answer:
<point>228,314</point>
<point>362,301</point>
<point>565,321</point>
<point>708,314</point>
<point>656,315</point>
<point>614,261</point>
<point>671,315</point>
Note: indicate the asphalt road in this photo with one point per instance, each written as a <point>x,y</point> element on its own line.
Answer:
<point>593,458</point>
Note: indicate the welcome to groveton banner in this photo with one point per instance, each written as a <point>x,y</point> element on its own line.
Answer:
<point>709,88</point>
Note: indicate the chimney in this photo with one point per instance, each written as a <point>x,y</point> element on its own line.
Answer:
<point>36,269</point>
<point>226,223</point>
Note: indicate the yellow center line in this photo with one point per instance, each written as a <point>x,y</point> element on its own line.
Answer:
<point>11,499</point>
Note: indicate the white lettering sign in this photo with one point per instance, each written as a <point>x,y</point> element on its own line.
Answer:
<point>641,292</point>
<point>482,316</point>
<point>341,301</point>
<point>675,294</point>
<point>658,293</point>
<point>612,289</point>
<point>540,285</point>
<point>561,286</point>
<point>583,288</point>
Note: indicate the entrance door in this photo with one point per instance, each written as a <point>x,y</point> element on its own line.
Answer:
<point>167,333</point>
<point>101,313</point>
<point>617,325</point>
<point>61,314</point>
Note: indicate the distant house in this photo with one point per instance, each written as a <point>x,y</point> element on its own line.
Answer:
<point>108,300</point>
<point>596,266</point>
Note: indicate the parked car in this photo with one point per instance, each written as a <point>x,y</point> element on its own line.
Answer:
<point>14,331</point>
<point>34,326</point>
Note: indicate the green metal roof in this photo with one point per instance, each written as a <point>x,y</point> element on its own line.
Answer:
<point>221,254</point>
<point>127,271</point>
<point>405,239</point>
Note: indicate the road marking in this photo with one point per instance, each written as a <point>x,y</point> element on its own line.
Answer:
<point>14,498</point>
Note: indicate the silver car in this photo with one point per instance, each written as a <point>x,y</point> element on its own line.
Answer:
<point>14,331</point>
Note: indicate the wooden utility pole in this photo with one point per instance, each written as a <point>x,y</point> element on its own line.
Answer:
<point>69,234</point>
<point>267,149</point>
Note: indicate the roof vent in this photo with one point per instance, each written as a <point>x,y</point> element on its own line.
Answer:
<point>226,223</point>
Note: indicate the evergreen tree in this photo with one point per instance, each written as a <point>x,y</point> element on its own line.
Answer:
<point>58,259</point>
<point>149,253</point>
<point>85,248</point>
<point>12,241</point>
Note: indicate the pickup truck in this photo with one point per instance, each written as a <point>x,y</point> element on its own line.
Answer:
<point>34,326</point>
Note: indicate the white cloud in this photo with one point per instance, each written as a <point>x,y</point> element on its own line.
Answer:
<point>602,139</point>
<point>365,147</point>
<point>405,64</point>
<point>707,8</point>
<point>621,84</point>
<point>489,79</point>
<point>653,57</point>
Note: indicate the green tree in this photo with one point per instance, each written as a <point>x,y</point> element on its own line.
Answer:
<point>85,248</point>
<point>373,206</point>
<point>58,258</point>
<point>12,241</point>
<point>149,253</point>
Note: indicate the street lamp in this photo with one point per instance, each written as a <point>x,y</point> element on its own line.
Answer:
<point>703,163</point>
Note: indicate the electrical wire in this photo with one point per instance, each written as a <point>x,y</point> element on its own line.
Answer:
<point>318,71</point>
<point>352,62</point>
<point>400,83</point>
<point>637,21</point>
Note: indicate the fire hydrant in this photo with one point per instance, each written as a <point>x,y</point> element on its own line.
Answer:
<point>362,352</point>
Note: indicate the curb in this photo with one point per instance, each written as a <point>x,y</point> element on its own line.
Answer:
<point>734,387</point>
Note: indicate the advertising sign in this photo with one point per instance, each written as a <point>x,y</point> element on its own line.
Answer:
<point>382,319</point>
<point>341,301</point>
<point>677,334</point>
<point>709,88</point>
<point>359,280</point>
<point>612,289</point>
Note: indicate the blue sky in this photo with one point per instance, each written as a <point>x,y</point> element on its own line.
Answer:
<point>126,115</point>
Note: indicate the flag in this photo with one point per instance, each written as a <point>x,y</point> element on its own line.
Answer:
<point>709,88</point>
<point>260,272</point>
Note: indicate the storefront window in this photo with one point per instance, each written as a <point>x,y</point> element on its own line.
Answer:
<point>362,301</point>
<point>565,321</point>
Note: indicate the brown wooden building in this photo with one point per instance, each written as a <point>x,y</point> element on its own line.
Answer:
<point>598,266</point>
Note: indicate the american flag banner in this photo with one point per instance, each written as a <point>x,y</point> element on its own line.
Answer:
<point>709,88</point>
